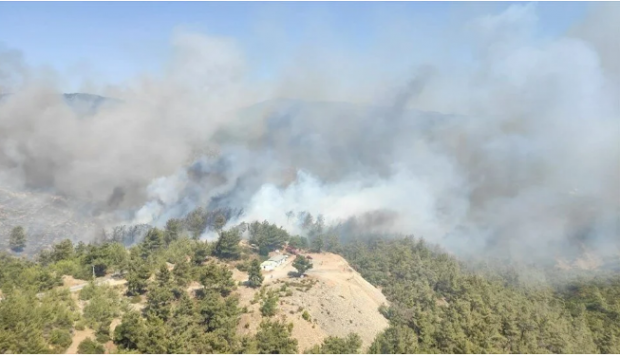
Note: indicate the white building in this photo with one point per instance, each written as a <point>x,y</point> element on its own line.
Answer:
<point>273,262</point>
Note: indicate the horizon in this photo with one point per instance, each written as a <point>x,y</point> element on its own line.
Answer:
<point>92,46</point>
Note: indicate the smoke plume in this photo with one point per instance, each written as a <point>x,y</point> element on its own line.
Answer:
<point>515,151</point>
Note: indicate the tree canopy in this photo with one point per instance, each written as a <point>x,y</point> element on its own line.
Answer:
<point>17,241</point>
<point>302,264</point>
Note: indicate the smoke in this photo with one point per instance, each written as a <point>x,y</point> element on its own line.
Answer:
<point>524,162</point>
<point>161,122</point>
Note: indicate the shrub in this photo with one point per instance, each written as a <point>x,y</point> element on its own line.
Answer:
<point>88,346</point>
<point>80,325</point>
<point>60,338</point>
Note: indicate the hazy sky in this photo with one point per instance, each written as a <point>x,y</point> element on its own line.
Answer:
<point>109,42</point>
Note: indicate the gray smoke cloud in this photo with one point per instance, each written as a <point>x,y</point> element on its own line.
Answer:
<point>517,155</point>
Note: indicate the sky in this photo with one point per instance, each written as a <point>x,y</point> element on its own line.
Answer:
<point>110,42</point>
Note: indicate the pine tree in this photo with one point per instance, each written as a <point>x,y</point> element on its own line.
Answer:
<point>196,222</point>
<point>17,241</point>
<point>159,301</point>
<point>336,345</point>
<point>181,272</point>
<point>275,338</point>
<point>173,230</point>
<point>227,245</point>
<point>153,241</point>
<point>88,346</point>
<point>219,222</point>
<point>164,277</point>
<point>131,333</point>
<point>255,276</point>
<point>302,264</point>
<point>318,243</point>
<point>137,279</point>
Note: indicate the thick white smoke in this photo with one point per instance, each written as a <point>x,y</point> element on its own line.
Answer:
<point>160,124</point>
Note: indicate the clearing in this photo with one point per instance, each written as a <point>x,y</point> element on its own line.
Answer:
<point>337,298</point>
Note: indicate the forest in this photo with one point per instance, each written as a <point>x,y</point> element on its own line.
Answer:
<point>438,303</point>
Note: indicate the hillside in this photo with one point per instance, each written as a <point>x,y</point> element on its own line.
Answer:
<point>174,294</point>
<point>338,300</point>
<point>48,219</point>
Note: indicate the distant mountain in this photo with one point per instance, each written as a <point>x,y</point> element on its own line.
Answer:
<point>87,103</point>
<point>308,116</point>
<point>83,104</point>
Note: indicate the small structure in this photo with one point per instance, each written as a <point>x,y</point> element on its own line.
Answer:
<point>273,262</point>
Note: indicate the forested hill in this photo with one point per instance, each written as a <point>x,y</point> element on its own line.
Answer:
<point>177,294</point>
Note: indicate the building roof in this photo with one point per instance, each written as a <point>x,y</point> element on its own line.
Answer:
<point>278,258</point>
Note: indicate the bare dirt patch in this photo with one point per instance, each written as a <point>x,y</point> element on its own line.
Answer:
<point>78,337</point>
<point>338,300</point>
<point>69,281</point>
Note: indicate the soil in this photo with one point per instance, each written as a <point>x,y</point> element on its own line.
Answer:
<point>337,298</point>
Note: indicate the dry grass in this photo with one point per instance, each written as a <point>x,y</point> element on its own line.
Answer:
<point>337,298</point>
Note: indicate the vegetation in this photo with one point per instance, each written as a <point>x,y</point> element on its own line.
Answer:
<point>437,304</point>
<point>306,315</point>
<point>88,346</point>
<point>255,276</point>
<point>302,264</point>
<point>29,325</point>
<point>336,345</point>
<point>270,303</point>
<point>17,241</point>
<point>267,237</point>
<point>275,338</point>
<point>227,245</point>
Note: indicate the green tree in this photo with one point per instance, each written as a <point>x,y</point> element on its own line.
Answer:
<point>298,242</point>
<point>217,278</point>
<point>196,222</point>
<point>137,279</point>
<point>227,245</point>
<point>270,304</point>
<point>255,275</point>
<point>332,244</point>
<point>156,338</point>
<point>163,276</point>
<point>173,231</point>
<point>219,222</point>
<point>275,338</point>
<point>159,302</point>
<point>62,251</point>
<point>395,340</point>
<point>218,317</point>
<point>182,273</point>
<point>106,256</point>
<point>60,339</point>
<point>130,334</point>
<point>17,241</point>
<point>336,345</point>
<point>268,237</point>
<point>318,243</point>
<point>153,241</point>
<point>88,346</point>
<point>302,264</point>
